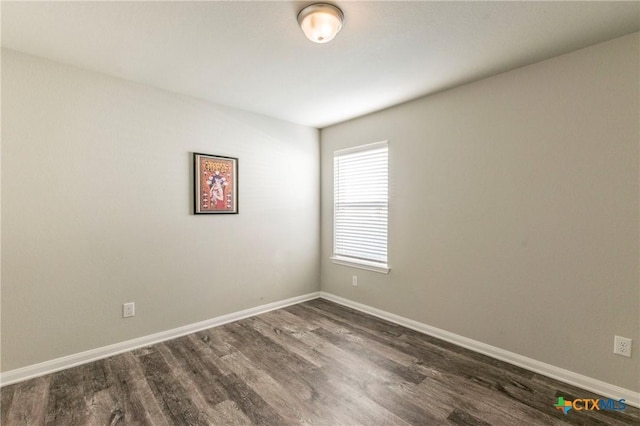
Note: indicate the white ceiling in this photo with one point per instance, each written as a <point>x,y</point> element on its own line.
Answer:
<point>253,55</point>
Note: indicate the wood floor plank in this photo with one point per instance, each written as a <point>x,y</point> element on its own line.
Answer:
<point>472,398</point>
<point>406,373</point>
<point>172,396</point>
<point>103,406</point>
<point>316,363</point>
<point>26,407</point>
<point>193,362</point>
<point>358,318</point>
<point>358,336</point>
<point>207,391</point>
<point>287,405</point>
<point>401,388</point>
<point>6,399</point>
<point>94,376</point>
<point>377,384</point>
<point>363,375</point>
<point>389,332</point>
<point>215,341</point>
<point>314,322</point>
<point>253,406</point>
<point>133,392</point>
<point>66,399</point>
<point>103,409</point>
<point>229,414</point>
<point>288,368</point>
<point>275,329</point>
<point>328,365</point>
<point>460,417</point>
<point>338,359</point>
<point>292,370</point>
<point>290,322</point>
<point>434,356</point>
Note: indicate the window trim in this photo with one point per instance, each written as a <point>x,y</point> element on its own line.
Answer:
<point>382,268</point>
<point>353,262</point>
<point>359,148</point>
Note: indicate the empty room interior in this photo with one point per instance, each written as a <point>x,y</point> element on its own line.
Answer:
<point>343,213</point>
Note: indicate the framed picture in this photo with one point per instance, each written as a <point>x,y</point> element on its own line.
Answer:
<point>215,184</point>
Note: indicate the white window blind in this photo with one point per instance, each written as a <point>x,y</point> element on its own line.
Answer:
<point>361,203</point>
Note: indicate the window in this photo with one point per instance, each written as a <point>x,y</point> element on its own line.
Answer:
<point>361,205</point>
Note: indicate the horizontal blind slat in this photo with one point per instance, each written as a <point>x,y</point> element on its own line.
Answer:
<point>361,204</point>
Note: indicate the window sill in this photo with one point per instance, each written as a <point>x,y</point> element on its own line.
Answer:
<point>361,264</point>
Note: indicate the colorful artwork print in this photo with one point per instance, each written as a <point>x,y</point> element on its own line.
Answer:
<point>216,184</point>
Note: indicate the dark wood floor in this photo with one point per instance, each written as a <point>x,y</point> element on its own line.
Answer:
<point>314,363</point>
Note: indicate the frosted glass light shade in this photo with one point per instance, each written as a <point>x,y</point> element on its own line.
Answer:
<point>320,22</point>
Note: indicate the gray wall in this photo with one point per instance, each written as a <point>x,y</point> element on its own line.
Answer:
<point>96,211</point>
<point>514,210</point>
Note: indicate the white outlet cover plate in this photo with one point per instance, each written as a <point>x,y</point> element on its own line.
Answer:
<point>622,346</point>
<point>128,310</point>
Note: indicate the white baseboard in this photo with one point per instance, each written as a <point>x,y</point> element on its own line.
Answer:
<point>47,367</point>
<point>597,386</point>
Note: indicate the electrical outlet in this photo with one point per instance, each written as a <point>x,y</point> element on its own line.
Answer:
<point>622,346</point>
<point>128,310</point>
<point>354,281</point>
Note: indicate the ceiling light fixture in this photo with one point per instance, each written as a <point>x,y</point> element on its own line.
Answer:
<point>320,22</point>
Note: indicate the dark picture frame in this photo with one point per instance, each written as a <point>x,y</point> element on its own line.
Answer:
<point>215,184</point>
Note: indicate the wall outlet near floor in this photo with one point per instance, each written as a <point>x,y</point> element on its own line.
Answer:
<point>622,346</point>
<point>128,309</point>
<point>354,281</point>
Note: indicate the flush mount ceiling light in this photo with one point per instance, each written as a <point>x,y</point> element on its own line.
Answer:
<point>320,22</point>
